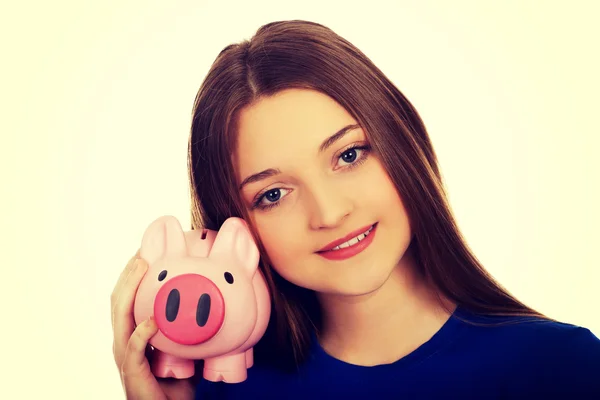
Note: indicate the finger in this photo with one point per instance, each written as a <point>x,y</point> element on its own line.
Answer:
<point>122,313</point>
<point>123,276</point>
<point>114,298</point>
<point>124,323</point>
<point>135,363</point>
<point>126,271</point>
<point>138,380</point>
<point>126,295</point>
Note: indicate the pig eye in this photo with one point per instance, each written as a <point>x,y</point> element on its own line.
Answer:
<point>228,277</point>
<point>162,275</point>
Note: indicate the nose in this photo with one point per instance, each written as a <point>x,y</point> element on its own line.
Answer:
<point>330,205</point>
<point>189,309</point>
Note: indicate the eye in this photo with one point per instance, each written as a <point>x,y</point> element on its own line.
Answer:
<point>273,195</point>
<point>228,277</point>
<point>270,198</point>
<point>349,155</point>
<point>162,275</point>
<point>353,157</point>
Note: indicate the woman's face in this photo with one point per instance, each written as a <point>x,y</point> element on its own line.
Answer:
<point>307,187</point>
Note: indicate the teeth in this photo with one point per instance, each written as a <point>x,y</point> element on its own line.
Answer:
<point>352,242</point>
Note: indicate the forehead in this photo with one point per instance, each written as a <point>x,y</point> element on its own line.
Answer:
<point>288,126</point>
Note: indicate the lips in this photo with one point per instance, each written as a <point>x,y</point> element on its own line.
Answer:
<point>344,239</point>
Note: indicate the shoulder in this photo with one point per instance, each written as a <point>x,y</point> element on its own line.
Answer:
<point>543,357</point>
<point>565,359</point>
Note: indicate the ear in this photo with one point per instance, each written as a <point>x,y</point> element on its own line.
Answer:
<point>234,244</point>
<point>163,237</point>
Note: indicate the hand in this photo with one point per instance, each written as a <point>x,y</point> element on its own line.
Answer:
<point>130,343</point>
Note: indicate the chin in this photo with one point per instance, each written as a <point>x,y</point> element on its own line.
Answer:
<point>352,284</point>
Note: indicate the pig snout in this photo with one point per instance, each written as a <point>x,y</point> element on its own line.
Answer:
<point>189,309</point>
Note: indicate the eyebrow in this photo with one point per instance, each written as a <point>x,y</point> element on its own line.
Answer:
<point>267,173</point>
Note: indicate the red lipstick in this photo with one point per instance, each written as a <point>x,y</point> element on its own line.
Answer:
<point>347,252</point>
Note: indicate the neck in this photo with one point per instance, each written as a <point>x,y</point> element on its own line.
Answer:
<point>383,326</point>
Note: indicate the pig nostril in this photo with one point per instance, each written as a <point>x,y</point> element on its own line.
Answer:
<point>203,310</point>
<point>162,275</point>
<point>172,307</point>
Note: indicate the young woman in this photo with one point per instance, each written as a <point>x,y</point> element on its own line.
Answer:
<point>375,292</point>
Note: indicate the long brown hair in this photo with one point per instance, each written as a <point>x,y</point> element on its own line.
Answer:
<point>307,55</point>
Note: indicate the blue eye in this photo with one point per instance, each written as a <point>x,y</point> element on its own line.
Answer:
<point>273,195</point>
<point>353,156</point>
<point>349,155</point>
<point>269,199</point>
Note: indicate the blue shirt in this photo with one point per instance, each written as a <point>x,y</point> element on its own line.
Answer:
<point>528,359</point>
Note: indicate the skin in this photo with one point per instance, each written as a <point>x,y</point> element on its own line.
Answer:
<point>376,308</point>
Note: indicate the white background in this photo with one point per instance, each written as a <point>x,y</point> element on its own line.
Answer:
<point>96,101</point>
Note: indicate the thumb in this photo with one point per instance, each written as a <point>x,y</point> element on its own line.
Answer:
<point>138,380</point>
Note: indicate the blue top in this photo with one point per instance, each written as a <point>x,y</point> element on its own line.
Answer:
<point>530,359</point>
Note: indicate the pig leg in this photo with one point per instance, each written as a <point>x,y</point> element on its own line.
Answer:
<point>249,358</point>
<point>168,366</point>
<point>229,368</point>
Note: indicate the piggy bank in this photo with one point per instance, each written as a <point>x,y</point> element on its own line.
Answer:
<point>208,298</point>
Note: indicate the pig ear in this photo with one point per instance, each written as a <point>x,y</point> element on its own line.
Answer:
<point>234,243</point>
<point>163,237</point>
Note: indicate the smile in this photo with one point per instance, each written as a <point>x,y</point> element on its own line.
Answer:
<point>349,247</point>
<point>354,240</point>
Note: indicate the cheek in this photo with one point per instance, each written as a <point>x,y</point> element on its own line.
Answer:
<point>381,195</point>
<point>378,190</point>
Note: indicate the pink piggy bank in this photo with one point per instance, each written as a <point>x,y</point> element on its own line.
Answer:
<point>208,298</point>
